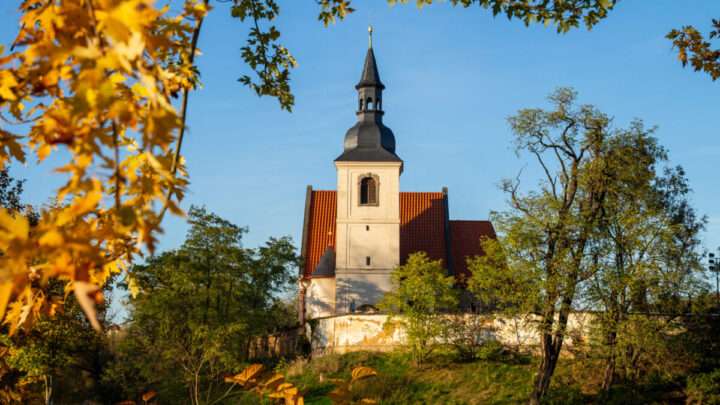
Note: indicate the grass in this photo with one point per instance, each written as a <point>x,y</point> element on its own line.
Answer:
<point>497,378</point>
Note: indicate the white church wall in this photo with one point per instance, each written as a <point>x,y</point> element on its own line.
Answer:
<point>320,299</point>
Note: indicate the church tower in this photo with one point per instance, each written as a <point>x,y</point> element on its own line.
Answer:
<point>368,200</point>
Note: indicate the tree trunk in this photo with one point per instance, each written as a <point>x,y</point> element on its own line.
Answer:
<point>48,389</point>
<point>609,375</point>
<point>551,343</point>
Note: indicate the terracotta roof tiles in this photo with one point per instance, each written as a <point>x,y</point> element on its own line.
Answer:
<point>422,228</point>
<point>465,242</point>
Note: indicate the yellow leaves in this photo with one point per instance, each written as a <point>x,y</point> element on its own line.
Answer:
<point>274,381</point>
<point>52,238</point>
<point>247,375</point>
<point>120,21</point>
<point>6,288</point>
<point>274,387</point>
<point>133,286</point>
<point>95,83</point>
<point>12,226</point>
<point>342,393</point>
<point>362,372</point>
<point>7,85</point>
<point>9,146</point>
<point>289,393</point>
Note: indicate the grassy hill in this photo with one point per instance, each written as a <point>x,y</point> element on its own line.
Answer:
<point>497,377</point>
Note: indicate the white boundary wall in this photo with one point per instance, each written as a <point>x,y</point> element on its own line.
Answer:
<point>346,333</point>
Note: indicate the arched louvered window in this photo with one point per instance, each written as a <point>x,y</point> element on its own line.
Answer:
<point>369,190</point>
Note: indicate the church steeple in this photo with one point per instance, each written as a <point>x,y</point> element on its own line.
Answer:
<point>369,140</point>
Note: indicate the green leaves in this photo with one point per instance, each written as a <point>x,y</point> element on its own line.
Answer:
<point>270,61</point>
<point>693,48</point>
<point>332,10</point>
<point>566,14</point>
<point>199,307</point>
<point>422,293</point>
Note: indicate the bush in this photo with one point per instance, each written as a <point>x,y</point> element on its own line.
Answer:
<point>467,334</point>
<point>704,388</point>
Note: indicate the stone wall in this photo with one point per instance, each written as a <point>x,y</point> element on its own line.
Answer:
<point>346,333</point>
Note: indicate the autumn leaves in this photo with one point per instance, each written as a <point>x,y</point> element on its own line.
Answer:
<point>93,79</point>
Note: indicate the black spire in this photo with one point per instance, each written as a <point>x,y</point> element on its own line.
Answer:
<point>370,76</point>
<point>369,140</point>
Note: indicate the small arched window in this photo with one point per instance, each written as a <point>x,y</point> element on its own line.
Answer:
<point>369,104</point>
<point>368,191</point>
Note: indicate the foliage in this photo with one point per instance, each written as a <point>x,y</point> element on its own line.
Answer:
<point>270,386</point>
<point>704,388</point>
<point>694,48</point>
<point>512,290</point>
<point>196,310</point>
<point>10,191</point>
<point>646,253</point>
<point>566,14</point>
<point>468,334</point>
<point>421,293</point>
<point>60,359</point>
<point>552,242</point>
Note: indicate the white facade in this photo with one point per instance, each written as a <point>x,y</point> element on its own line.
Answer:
<point>368,236</point>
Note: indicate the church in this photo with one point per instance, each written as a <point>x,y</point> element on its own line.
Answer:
<point>353,237</point>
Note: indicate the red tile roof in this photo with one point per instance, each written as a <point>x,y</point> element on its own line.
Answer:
<point>321,228</point>
<point>422,225</point>
<point>465,241</point>
<point>422,228</point>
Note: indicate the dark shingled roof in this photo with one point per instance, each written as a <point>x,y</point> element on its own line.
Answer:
<point>370,76</point>
<point>369,140</point>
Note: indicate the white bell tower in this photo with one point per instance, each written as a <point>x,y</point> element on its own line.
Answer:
<point>368,200</point>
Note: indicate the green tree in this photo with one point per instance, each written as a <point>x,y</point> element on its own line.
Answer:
<point>196,310</point>
<point>645,252</point>
<point>546,236</point>
<point>61,356</point>
<point>422,293</point>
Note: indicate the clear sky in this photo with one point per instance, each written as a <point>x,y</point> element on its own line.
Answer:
<point>453,76</point>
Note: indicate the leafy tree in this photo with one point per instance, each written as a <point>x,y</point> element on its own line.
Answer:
<point>547,236</point>
<point>422,293</point>
<point>694,48</point>
<point>646,253</point>
<point>58,355</point>
<point>108,83</point>
<point>196,310</point>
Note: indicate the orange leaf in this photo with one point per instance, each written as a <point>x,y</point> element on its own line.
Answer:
<point>149,395</point>
<point>5,291</point>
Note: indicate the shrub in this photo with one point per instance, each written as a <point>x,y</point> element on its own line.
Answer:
<point>704,388</point>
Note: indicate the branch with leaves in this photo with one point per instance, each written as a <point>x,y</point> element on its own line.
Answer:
<point>693,48</point>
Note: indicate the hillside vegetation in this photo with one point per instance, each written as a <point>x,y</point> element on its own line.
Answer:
<point>496,377</point>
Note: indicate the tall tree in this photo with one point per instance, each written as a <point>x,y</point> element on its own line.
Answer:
<point>196,309</point>
<point>547,235</point>
<point>645,251</point>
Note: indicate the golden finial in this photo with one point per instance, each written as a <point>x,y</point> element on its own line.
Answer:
<point>370,36</point>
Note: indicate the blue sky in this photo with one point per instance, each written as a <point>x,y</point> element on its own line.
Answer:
<point>453,76</point>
